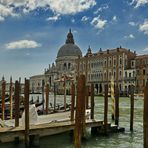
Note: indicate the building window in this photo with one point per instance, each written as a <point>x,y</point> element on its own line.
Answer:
<point>130,75</point>
<point>114,62</point>
<point>64,67</point>
<point>125,74</point>
<point>69,65</point>
<point>133,73</point>
<point>114,75</point>
<point>105,63</point>
<point>132,63</point>
<point>120,74</point>
<point>120,61</point>
<point>143,83</point>
<point>143,71</point>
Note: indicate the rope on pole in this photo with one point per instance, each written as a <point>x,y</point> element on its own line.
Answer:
<point>113,98</point>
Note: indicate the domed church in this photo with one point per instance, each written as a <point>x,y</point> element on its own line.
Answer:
<point>65,64</point>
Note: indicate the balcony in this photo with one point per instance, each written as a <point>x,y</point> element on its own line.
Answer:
<point>129,78</point>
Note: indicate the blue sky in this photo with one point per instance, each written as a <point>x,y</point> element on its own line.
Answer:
<point>32,31</point>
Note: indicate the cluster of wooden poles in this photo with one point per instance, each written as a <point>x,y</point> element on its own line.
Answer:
<point>16,97</point>
<point>78,115</point>
<point>82,104</point>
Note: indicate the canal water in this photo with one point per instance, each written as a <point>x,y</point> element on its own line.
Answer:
<point>116,140</point>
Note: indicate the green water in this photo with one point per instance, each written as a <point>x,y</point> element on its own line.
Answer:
<point>117,140</point>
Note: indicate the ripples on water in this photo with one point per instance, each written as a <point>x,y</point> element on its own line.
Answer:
<point>121,140</point>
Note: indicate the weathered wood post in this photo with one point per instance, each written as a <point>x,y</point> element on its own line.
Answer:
<point>72,101</point>
<point>105,109</point>
<point>92,101</point>
<point>47,98</point>
<point>17,103</point>
<point>11,101</point>
<point>87,97</point>
<point>117,106</point>
<point>3,99</point>
<point>80,112</point>
<point>117,93</point>
<point>64,92</point>
<point>145,116</point>
<point>54,101</point>
<point>26,93</point>
<point>132,108</point>
<point>43,85</point>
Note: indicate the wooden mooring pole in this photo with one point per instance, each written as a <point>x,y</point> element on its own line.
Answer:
<point>132,108</point>
<point>87,97</point>
<point>54,101</point>
<point>72,101</point>
<point>92,101</point>
<point>47,98</point>
<point>17,103</point>
<point>11,101</point>
<point>3,99</point>
<point>64,92</point>
<point>26,93</point>
<point>117,106</point>
<point>43,85</point>
<point>80,112</point>
<point>145,116</point>
<point>106,109</point>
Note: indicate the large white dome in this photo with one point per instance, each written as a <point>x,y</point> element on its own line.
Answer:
<point>69,48</point>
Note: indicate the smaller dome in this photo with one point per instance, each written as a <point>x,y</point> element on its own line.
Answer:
<point>69,50</point>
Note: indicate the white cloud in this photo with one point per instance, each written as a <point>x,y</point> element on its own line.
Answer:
<point>114,19</point>
<point>70,6</point>
<point>57,6</point>
<point>145,49</point>
<point>2,19</point>
<point>130,36</point>
<point>138,3</point>
<point>144,27</point>
<point>53,18</point>
<point>98,23</point>
<point>21,44</point>
<point>6,11</point>
<point>100,9</point>
<point>84,18</point>
<point>132,23</point>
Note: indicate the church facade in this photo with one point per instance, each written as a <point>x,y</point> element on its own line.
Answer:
<point>62,72</point>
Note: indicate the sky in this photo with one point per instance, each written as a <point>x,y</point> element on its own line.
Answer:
<point>32,31</point>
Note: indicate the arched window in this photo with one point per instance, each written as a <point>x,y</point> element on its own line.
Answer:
<point>69,65</point>
<point>64,66</point>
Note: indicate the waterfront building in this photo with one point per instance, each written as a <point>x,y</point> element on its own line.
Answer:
<point>130,77</point>
<point>101,66</point>
<point>36,83</point>
<point>141,72</point>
